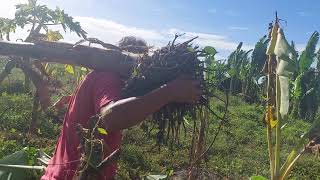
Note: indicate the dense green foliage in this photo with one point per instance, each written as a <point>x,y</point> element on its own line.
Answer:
<point>239,152</point>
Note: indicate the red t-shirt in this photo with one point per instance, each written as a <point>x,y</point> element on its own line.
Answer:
<point>94,92</point>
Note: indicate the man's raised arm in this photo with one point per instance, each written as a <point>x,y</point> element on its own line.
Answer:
<point>128,112</point>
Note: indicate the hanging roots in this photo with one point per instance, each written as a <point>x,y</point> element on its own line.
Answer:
<point>163,66</point>
<point>92,148</point>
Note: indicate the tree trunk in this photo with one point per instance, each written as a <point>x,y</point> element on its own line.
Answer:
<point>27,80</point>
<point>40,84</point>
<point>65,53</point>
<point>34,114</point>
<point>27,83</point>
<point>231,85</point>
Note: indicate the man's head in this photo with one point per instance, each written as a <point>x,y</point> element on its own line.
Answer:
<point>133,44</point>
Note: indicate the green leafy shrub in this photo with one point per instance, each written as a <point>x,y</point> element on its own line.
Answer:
<point>14,87</point>
<point>15,116</point>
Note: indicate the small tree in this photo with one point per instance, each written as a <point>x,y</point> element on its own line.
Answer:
<point>39,20</point>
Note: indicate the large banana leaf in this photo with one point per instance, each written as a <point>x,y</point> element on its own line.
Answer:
<point>259,56</point>
<point>318,59</point>
<point>297,91</point>
<point>15,166</point>
<point>17,158</point>
<point>307,56</point>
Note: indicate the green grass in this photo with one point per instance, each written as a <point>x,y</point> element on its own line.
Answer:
<point>239,152</point>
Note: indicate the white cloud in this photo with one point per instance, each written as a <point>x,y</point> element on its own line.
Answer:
<point>158,10</point>
<point>221,43</point>
<point>212,11</point>
<point>238,28</point>
<point>110,32</point>
<point>7,8</point>
<point>303,13</point>
<point>231,13</point>
<point>300,47</point>
<point>309,33</point>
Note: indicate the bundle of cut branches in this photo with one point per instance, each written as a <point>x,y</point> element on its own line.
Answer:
<point>163,66</point>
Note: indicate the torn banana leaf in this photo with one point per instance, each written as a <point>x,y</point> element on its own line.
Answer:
<point>284,98</point>
<point>285,69</point>
<point>272,44</point>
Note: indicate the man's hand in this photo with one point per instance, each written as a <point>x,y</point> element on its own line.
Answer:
<point>185,90</point>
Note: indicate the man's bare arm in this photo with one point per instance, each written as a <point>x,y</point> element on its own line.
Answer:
<point>128,112</point>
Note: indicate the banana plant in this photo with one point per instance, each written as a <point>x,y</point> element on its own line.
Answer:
<point>258,57</point>
<point>281,66</point>
<point>306,82</point>
<point>237,67</point>
<point>245,70</point>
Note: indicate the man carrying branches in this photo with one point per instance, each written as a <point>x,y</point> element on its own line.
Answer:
<point>100,93</point>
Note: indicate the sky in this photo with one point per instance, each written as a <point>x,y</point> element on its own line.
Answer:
<point>218,23</point>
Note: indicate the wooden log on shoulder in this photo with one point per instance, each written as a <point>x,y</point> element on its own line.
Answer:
<point>65,53</point>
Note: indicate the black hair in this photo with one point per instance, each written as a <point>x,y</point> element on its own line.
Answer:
<point>133,44</point>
